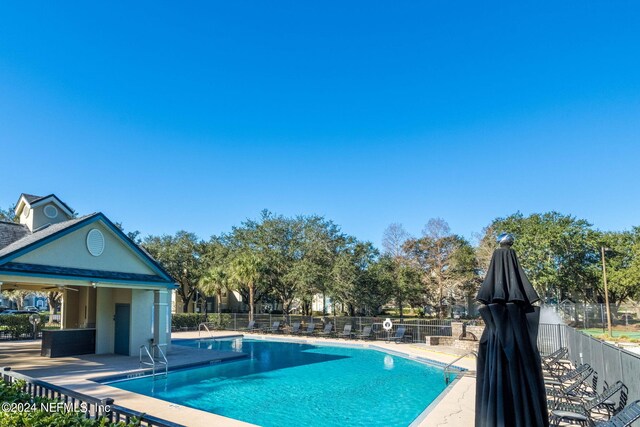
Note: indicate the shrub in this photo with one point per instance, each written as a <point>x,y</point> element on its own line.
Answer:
<point>219,321</point>
<point>18,324</point>
<point>186,320</point>
<point>13,393</point>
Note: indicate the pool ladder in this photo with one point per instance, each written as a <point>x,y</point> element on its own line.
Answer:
<point>206,327</point>
<point>153,360</point>
<point>447,369</point>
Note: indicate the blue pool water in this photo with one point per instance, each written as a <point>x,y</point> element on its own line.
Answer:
<point>289,384</point>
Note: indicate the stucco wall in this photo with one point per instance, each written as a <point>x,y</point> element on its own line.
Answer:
<point>70,309</point>
<point>71,251</point>
<point>86,307</point>
<point>141,319</point>
<point>106,301</point>
<point>37,218</point>
<point>105,309</point>
<point>141,301</point>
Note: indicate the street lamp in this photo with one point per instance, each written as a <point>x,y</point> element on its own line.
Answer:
<point>606,291</point>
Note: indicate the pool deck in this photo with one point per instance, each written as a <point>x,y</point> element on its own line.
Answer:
<point>455,407</point>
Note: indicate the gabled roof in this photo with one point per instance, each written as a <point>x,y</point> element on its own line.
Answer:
<point>30,197</point>
<point>33,201</point>
<point>38,235</point>
<point>44,235</point>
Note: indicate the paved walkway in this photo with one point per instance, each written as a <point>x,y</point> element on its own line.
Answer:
<point>455,407</point>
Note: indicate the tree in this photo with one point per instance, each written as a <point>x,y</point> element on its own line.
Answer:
<point>214,282</point>
<point>247,272</point>
<point>464,278</point>
<point>405,278</point>
<point>17,296</point>
<point>133,235</point>
<point>435,254</point>
<point>404,282</point>
<point>53,299</point>
<point>321,241</point>
<point>351,279</point>
<point>622,258</point>
<point>9,214</point>
<point>557,252</point>
<point>181,256</point>
<point>393,240</point>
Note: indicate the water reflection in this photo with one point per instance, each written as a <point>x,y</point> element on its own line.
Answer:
<point>388,362</point>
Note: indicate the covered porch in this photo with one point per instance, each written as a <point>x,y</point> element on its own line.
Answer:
<point>123,317</point>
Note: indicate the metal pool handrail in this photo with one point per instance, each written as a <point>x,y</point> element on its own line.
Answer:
<point>206,327</point>
<point>152,359</point>
<point>447,368</point>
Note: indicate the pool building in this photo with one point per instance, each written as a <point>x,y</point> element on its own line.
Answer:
<point>115,296</point>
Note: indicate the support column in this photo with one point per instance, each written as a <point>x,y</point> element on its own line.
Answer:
<point>161,318</point>
<point>63,309</point>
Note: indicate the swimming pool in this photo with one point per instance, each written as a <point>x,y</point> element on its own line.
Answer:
<point>290,383</point>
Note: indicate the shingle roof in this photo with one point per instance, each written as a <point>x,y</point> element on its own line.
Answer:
<point>11,232</point>
<point>30,197</point>
<point>79,272</point>
<point>34,199</point>
<point>39,234</point>
<point>17,243</point>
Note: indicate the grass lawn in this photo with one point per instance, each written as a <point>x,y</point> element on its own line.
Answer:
<point>597,332</point>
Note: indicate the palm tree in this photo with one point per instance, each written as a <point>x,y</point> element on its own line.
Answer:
<point>214,282</point>
<point>246,270</point>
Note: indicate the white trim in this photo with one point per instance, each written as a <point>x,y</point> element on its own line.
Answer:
<point>51,198</point>
<point>50,211</point>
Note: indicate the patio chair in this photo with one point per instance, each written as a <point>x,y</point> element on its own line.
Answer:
<point>274,328</point>
<point>310,328</point>
<point>580,413</point>
<point>251,326</point>
<point>567,376</point>
<point>346,333</point>
<point>365,334</point>
<point>565,390</point>
<point>295,328</point>
<point>327,331</point>
<point>624,418</point>
<point>555,362</point>
<point>562,351</point>
<point>578,390</point>
<point>399,335</point>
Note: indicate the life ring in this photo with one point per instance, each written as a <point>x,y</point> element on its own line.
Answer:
<point>387,325</point>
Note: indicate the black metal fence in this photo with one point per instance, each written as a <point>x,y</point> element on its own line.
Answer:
<point>612,363</point>
<point>91,407</point>
<point>416,329</point>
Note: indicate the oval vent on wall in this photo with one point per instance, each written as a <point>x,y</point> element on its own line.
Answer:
<point>95,242</point>
<point>51,211</point>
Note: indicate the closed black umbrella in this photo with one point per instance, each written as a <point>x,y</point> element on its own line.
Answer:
<point>509,383</point>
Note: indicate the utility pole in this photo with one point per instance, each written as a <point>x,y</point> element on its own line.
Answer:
<point>606,293</point>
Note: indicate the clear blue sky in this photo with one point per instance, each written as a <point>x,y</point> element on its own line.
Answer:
<point>174,115</point>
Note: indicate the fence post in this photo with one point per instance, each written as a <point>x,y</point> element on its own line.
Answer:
<point>6,378</point>
<point>586,317</point>
<point>105,410</point>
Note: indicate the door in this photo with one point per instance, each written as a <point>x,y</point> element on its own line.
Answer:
<point>123,321</point>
